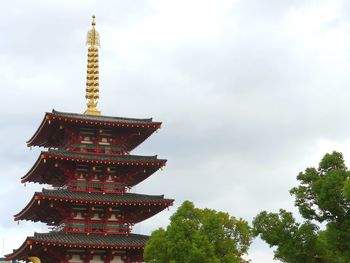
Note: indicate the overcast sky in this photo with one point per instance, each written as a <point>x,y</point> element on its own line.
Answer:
<point>250,93</point>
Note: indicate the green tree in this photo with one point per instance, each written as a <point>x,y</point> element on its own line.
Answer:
<point>323,200</point>
<point>199,236</point>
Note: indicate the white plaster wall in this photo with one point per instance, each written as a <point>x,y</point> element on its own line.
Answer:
<point>117,260</point>
<point>113,218</point>
<point>75,259</point>
<point>96,259</point>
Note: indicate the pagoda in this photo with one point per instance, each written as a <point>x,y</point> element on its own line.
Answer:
<point>89,207</point>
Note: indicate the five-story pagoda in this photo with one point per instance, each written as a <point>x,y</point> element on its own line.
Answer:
<point>91,172</point>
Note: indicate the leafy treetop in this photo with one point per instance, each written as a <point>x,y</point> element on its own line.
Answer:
<point>323,200</point>
<point>199,236</point>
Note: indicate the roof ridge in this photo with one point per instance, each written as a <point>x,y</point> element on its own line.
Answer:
<point>45,190</point>
<point>55,112</point>
<point>61,232</point>
<point>101,155</point>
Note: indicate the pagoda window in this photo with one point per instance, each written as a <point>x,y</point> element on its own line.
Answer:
<point>113,218</point>
<point>78,216</point>
<point>87,140</point>
<point>109,179</point>
<point>104,141</point>
<point>81,177</point>
<point>95,216</point>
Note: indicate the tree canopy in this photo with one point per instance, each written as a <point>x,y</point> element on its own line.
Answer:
<point>323,200</point>
<point>199,236</point>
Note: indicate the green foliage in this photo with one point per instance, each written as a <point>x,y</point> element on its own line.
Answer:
<point>199,236</point>
<point>320,193</point>
<point>295,242</point>
<point>323,200</point>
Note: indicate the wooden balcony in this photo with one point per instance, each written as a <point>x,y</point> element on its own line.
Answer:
<point>97,149</point>
<point>96,227</point>
<point>99,187</point>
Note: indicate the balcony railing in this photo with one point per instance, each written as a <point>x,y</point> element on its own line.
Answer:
<point>108,187</point>
<point>96,226</point>
<point>93,148</point>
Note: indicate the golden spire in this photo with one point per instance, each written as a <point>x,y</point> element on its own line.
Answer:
<point>92,80</point>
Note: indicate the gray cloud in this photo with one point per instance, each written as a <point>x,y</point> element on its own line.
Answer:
<point>250,94</point>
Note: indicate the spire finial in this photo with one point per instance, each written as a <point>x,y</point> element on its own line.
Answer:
<point>93,23</point>
<point>92,79</point>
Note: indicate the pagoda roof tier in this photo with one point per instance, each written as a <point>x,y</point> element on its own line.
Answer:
<point>100,158</point>
<point>35,244</point>
<point>139,206</point>
<point>48,131</point>
<point>46,170</point>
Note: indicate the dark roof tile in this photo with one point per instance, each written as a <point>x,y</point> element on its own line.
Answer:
<point>91,239</point>
<point>107,197</point>
<point>101,118</point>
<point>102,157</point>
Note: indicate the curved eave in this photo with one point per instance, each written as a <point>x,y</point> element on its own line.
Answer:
<point>35,140</point>
<point>22,214</point>
<point>43,213</point>
<point>106,159</point>
<point>21,253</point>
<point>138,178</point>
<point>31,244</point>
<point>164,202</point>
<point>32,171</point>
<point>31,175</point>
<point>143,217</point>
<point>43,132</point>
<point>28,211</point>
<point>133,143</point>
